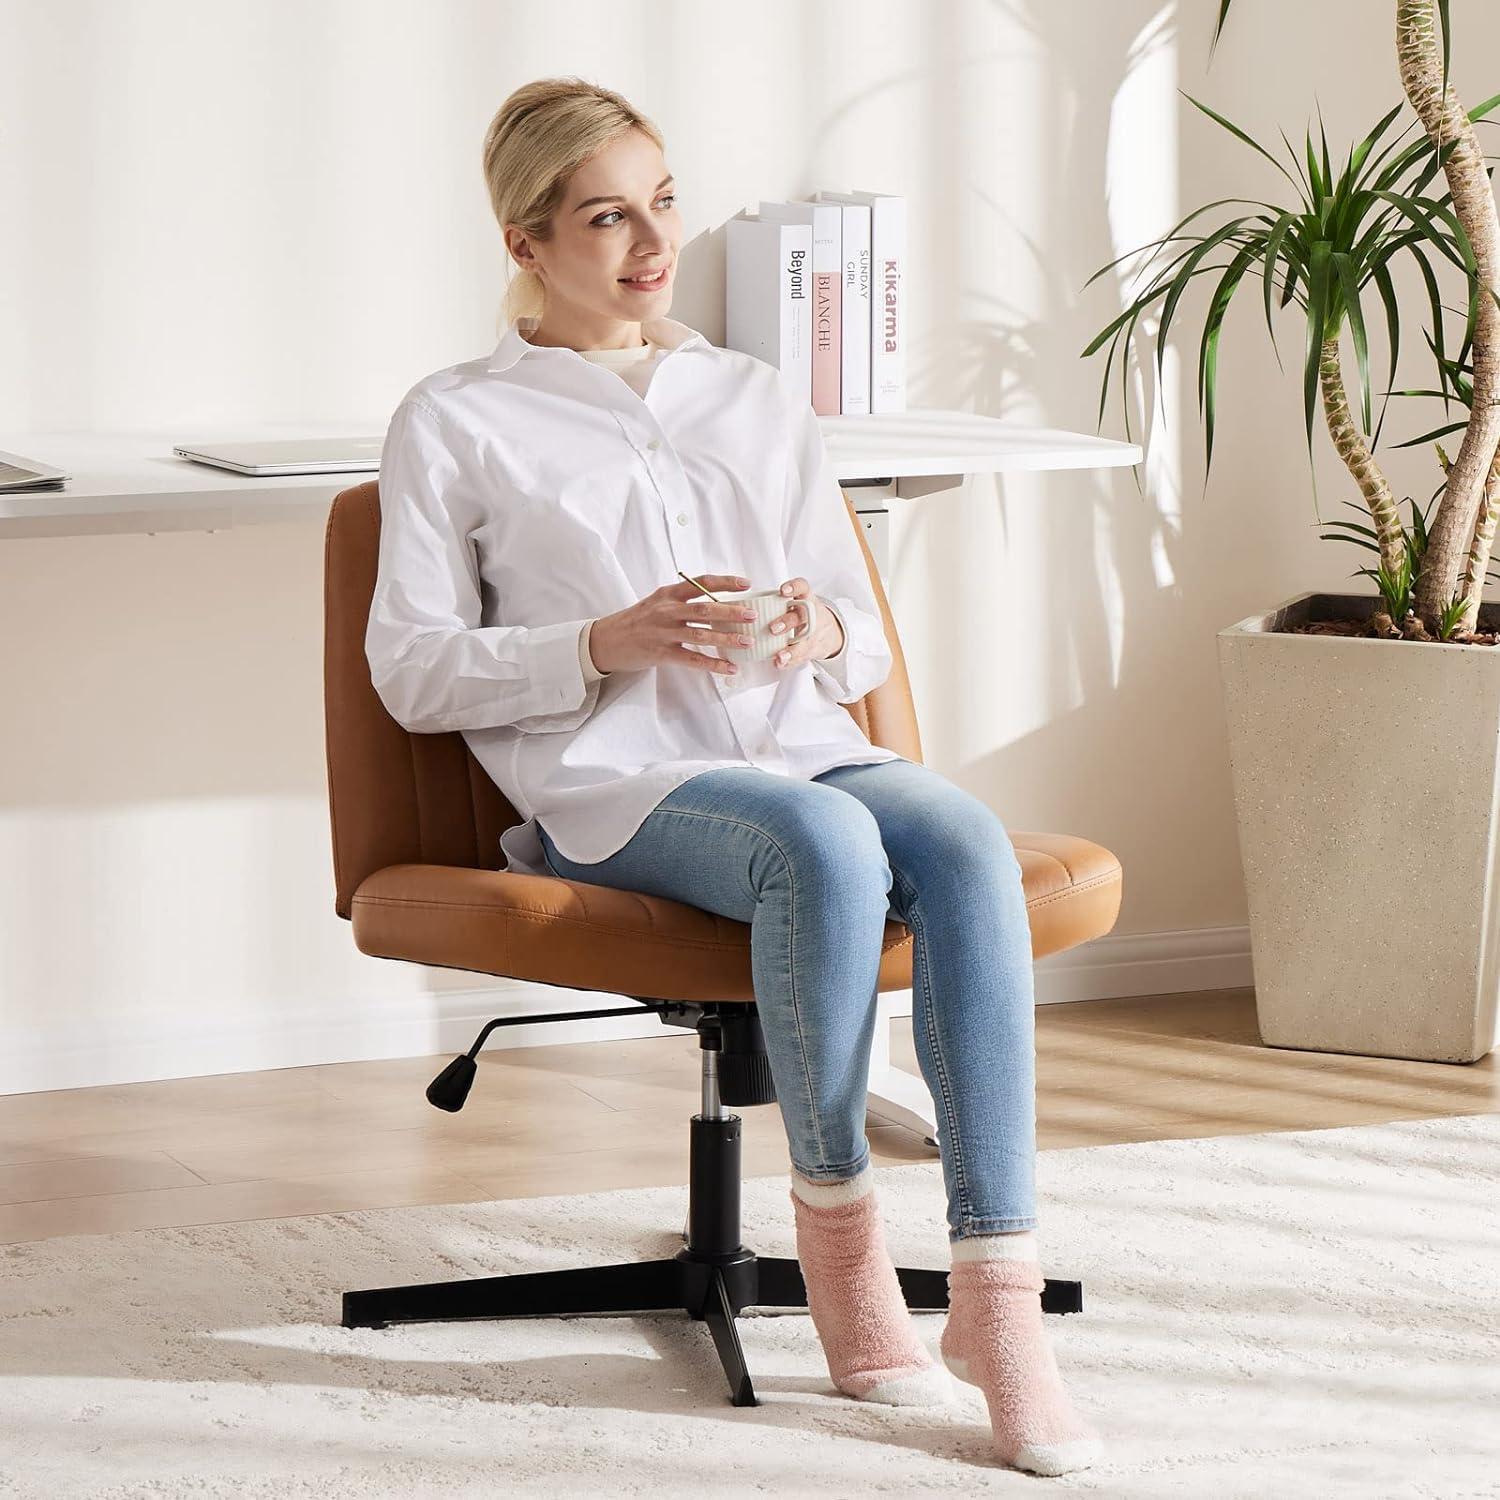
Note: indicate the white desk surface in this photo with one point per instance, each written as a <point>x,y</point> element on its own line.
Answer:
<point>132,482</point>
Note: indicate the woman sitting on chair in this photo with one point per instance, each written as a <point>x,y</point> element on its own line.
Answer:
<point>539,510</point>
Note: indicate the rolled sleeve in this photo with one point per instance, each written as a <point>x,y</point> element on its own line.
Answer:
<point>432,662</point>
<point>822,546</point>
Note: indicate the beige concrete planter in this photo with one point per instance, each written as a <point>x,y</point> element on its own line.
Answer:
<point>1365,784</point>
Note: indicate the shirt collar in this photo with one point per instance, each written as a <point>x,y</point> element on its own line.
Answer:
<point>667,332</point>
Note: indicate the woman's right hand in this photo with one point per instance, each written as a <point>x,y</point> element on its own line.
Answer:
<point>656,629</point>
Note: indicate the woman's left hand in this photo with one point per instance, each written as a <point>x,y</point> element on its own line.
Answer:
<point>827,638</point>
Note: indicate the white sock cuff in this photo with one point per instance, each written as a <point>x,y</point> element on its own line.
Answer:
<point>832,1194</point>
<point>1019,1246</point>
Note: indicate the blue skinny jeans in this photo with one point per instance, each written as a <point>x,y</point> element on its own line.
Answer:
<point>816,867</point>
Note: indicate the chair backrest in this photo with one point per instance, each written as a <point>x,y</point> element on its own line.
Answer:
<point>400,798</point>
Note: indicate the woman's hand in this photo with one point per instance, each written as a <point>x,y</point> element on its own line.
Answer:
<point>827,638</point>
<point>656,629</point>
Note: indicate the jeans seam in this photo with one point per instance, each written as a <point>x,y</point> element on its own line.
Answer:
<point>812,1103</point>
<point>839,1173</point>
<point>995,1224</point>
<point>950,1116</point>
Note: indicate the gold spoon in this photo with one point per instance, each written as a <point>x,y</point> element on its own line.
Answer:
<point>698,586</point>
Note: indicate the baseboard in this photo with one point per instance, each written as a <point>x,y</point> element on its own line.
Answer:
<point>142,1048</point>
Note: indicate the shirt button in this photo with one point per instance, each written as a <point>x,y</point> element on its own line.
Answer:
<point>682,519</point>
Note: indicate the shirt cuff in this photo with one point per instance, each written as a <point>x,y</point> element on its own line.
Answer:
<point>591,673</point>
<point>562,697</point>
<point>865,659</point>
<point>841,655</point>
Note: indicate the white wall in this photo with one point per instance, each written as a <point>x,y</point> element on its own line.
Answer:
<point>229,213</point>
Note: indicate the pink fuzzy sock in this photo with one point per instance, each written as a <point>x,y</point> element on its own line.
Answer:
<point>994,1338</point>
<point>855,1299</point>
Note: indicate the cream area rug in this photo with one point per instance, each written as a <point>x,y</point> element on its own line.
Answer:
<point>1311,1313</point>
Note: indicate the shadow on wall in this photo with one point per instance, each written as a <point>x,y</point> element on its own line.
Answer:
<point>1068,160</point>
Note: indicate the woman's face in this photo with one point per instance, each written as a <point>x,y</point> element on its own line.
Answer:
<point>597,245</point>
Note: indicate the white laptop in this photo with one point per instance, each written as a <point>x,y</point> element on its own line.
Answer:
<point>346,455</point>
<point>19,475</point>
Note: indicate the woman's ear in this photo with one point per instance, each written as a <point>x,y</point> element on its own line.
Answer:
<point>520,249</point>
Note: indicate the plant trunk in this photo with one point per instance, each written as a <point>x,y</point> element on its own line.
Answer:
<point>1484,537</point>
<point>1449,544</point>
<point>1355,452</point>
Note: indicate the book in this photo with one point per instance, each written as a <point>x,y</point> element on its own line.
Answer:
<point>768,295</point>
<point>888,335</point>
<point>854,377</point>
<point>826,220</point>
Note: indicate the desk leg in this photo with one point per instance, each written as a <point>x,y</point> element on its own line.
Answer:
<point>894,1093</point>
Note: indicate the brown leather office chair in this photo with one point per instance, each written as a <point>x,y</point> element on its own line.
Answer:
<point>416,826</point>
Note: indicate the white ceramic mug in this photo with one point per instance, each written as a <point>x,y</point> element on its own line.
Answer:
<point>768,604</point>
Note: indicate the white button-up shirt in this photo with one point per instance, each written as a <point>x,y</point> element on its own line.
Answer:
<point>526,493</point>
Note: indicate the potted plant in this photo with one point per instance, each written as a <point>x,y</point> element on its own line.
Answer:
<point>1364,728</point>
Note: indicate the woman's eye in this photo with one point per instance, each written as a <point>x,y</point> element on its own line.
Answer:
<point>614,213</point>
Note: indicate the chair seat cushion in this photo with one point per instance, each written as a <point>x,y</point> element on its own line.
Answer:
<point>594,937</point>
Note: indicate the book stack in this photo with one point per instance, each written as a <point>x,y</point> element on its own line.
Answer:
<point>817,288</point>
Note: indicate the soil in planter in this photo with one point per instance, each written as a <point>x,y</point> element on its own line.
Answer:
<point>1349,626</point>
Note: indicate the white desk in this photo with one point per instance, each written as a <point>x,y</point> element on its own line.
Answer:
<point>126,483</point>
<point>133,483</point>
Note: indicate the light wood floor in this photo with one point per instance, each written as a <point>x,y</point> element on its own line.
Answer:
<point>593,1116</point>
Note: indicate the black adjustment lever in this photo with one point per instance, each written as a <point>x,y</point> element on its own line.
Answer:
<point>450,1089</point>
